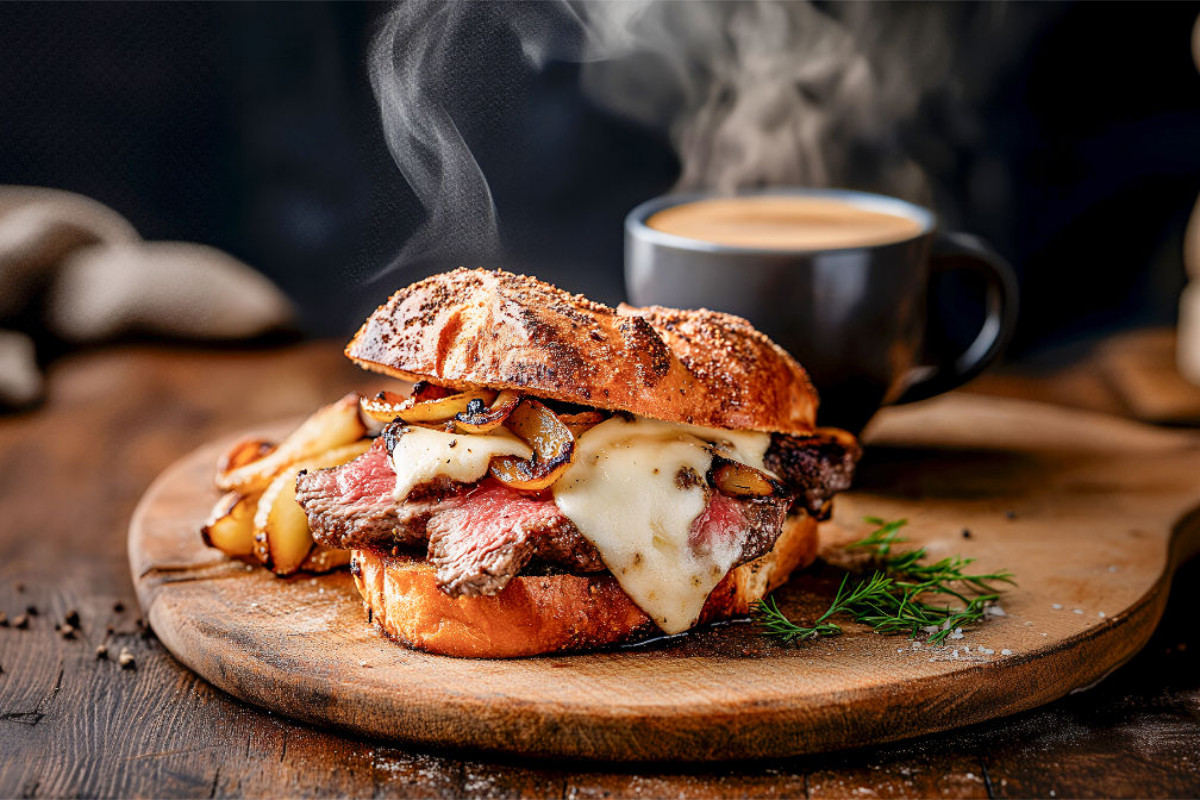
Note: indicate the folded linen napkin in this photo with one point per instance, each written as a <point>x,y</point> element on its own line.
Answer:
<point>78,269</point>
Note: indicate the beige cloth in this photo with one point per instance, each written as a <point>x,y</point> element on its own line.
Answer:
<point>94,278</point>
<point>1187,341</point>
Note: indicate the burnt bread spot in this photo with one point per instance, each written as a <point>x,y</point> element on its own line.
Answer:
<point>650,355</point>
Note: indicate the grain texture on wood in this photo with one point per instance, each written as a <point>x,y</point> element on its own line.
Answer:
<point>1090,512</point>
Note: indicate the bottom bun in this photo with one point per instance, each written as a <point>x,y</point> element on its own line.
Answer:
<point>537,614</point>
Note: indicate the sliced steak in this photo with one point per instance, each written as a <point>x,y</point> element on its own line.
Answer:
<point>479,537</point>
<point>488,537</point>
<point>756,521</point>
<point>817,467</point>
<point>353,506</point>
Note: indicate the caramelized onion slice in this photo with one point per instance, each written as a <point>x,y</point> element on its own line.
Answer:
<point>388,406</point>
<point>424,390</point>
<point>552,443</point>
<point>244,452</point>
<point>741,480</point>
<point>579,423</point>
<point>385,406</point>
<point>331,426</point>
<point>481,418</point>
<point>446,408</point>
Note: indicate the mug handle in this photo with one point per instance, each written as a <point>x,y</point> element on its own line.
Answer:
<point>961,251</point>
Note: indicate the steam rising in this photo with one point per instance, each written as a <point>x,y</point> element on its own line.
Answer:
<point>751,93</point>
<point>409,55</point>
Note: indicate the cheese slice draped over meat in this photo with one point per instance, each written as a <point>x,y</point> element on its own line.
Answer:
<point>634,490</point>
<point>422,454</point>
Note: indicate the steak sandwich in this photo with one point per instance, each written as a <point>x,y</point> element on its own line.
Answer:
<point>565,475</point>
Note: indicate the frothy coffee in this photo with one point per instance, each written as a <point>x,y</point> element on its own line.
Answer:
<point>783,223</point>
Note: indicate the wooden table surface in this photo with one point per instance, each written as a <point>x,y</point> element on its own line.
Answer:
<point>74,724</point>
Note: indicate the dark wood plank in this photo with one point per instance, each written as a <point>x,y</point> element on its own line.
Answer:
<point>71,473</point>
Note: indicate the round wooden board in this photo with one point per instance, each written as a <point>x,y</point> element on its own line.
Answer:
<point>1092,513</point>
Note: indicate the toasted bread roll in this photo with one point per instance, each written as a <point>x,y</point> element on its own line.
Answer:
<point>534,615</point>
<point>504,331</point>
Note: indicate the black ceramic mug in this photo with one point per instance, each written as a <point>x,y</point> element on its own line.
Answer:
<point>855,317</point>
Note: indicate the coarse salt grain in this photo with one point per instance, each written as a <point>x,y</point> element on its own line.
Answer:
<point>958,634</point>
<point>987,651</point>
<point>1112,569</point>
<point>994,611</point>
<point>1056,606</point>
<point>1006,652</point>
<point>1076,610</point>
<point>931,629</point>
<point>1102,615</point>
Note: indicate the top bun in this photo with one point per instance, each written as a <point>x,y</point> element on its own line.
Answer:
<point>473,327</point>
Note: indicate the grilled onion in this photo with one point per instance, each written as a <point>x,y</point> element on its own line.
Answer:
<point>332,426</point>
<point>741,480</point>
<point>553,448</point>
<point>385,406</point>
<point>424,390</point>
<point>243,453</point>
<point>579,423</point>
<point>388,406</point>
<point>481,418</point>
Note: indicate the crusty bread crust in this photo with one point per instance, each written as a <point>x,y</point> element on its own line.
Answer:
<point>534,615</point>
<point>504,331</point>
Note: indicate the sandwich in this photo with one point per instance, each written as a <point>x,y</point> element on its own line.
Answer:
<point>565,476</point>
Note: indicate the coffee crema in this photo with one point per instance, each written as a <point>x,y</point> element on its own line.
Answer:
<point>780,222</point>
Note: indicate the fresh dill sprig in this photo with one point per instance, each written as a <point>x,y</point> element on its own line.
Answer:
<point>897,597</point>
<point>776,624</point>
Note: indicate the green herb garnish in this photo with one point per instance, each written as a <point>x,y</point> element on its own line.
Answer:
<point>898,597</point>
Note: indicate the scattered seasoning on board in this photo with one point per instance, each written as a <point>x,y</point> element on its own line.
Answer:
<point>72,618</point>
<point>67,631</point>
<point>31,610</point>
<point>125,659</point>
<point>20,588</point>
<point>966,533</point>
<point>21,621</point>
<point>3,620</point>
<point>118,606</point>
<point>101,652</point>
<point>1010,514</point>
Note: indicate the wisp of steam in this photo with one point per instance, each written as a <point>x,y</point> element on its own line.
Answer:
<point>754,93</point>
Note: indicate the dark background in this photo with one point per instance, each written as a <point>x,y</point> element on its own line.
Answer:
<point>253,128</point>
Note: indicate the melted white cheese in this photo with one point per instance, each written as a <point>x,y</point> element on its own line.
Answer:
<point>422,454</point>
<point>623,494</point>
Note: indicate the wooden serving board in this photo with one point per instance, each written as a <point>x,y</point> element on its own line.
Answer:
<point>1092,513</point>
